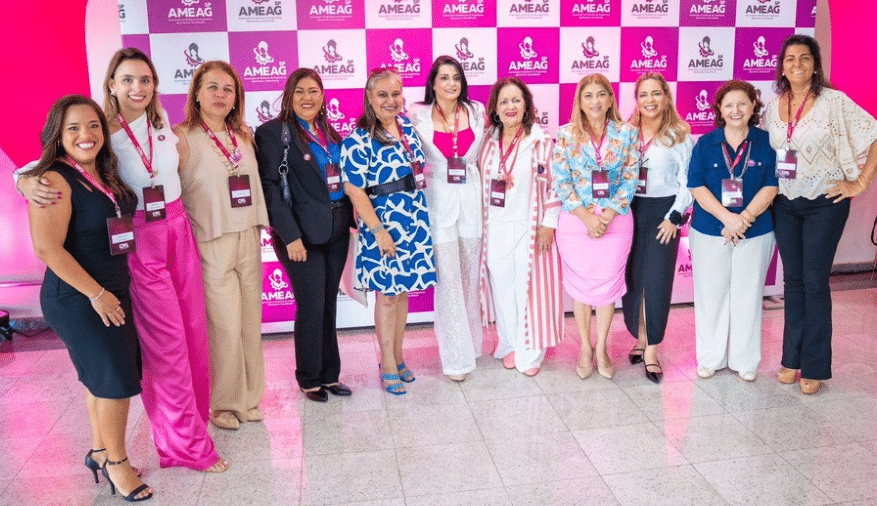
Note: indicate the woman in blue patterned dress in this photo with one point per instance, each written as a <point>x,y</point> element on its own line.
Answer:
<point>383,176</point>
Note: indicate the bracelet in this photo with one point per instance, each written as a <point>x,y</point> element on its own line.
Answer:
<point>102,290</point>
<point>377,228</point>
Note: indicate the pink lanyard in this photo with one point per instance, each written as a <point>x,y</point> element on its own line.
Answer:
<point>791,128</point>
<point>408,150</point>
<point>643,146</point>
<point>731,166</point>
<point>233,159</point>
<point>147,162</point>
<point>504,157</point>
<point>97,184</point>
<point>456,131</point>
<point>597,156</point>
<point>321,141</point>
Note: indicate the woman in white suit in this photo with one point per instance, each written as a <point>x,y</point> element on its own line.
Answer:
<point>451,128</point>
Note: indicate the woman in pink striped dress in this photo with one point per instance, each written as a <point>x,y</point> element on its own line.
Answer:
<point>520,267</point>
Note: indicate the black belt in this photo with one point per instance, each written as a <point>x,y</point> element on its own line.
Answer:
<point>406,184</point>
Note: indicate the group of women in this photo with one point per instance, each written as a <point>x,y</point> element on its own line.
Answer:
<point>478,202</point>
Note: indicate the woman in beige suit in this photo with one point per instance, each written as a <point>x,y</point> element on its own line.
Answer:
<point>223,196</point>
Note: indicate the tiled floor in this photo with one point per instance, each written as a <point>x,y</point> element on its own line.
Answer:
<point>499,438</point>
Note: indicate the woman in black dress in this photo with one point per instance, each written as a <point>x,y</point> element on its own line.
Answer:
<point>85,296</point>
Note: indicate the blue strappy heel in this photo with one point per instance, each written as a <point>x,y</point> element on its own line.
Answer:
<point>407,376</point>
<point>393,388</point>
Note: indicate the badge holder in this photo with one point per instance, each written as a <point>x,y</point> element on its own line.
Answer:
<point>239,191</point>
<point>456,170</point>
<point>497,192</point>
<point>153,203</point>
<point>732,192</point>
<point>121,230</point>
<point>642,183</point>
<point>599,184</point>
<point>333,177</point>
<point>787,164</point>
<point>417,170</point>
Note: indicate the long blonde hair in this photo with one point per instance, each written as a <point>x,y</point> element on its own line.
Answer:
<point>235,118</point>
<point>673,128</point>
<point>577,117</point>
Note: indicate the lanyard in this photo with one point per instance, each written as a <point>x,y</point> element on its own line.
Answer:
<point>791,128</point>
<point>321,141</point>
<point>643,146</point>
<point>731,166</point>
<point>503,157</point>
<point>147,162</point>
<point>455,132</point>
<point>408,150</point>
<point>597,156</point>
<point>97,184</point>
<point>233,159</point>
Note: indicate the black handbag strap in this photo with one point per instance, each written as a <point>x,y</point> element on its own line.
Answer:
<point>283,169</point>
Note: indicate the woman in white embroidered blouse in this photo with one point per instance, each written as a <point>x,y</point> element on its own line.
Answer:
<point>822,139</point>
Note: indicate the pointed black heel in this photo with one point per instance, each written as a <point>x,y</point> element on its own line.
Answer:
<point>92,464</point>
<point>132,497</point>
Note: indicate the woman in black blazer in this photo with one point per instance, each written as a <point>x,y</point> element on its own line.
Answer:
<point>311,224</point>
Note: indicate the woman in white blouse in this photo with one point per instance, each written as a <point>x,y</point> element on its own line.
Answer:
<point>826,152</point>
<point>662,197</point>
<point>451,128</point>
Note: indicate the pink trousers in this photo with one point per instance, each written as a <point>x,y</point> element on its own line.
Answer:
<point>167,290</point>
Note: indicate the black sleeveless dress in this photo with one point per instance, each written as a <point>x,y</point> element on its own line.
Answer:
<point>107,359</point>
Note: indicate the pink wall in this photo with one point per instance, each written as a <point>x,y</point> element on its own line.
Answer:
<point>853,45</point>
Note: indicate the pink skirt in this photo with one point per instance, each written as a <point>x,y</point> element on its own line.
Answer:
<point>593,269</point>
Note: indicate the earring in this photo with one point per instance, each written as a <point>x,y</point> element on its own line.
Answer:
<point>496,118</point>
<point>113,93</point>
<point>526,115</point>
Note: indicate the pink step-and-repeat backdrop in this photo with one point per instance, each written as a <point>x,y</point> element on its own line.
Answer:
<point>550,44</point>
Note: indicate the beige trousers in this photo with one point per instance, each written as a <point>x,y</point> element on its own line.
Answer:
<point>232,265</point>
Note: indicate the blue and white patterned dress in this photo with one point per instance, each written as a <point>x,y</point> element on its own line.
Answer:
<point>365,163</point>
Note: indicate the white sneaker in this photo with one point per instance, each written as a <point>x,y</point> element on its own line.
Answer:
<point>747,376</point>
<point>705,372</point>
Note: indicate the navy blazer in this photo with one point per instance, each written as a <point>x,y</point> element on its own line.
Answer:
<point>310,217</point>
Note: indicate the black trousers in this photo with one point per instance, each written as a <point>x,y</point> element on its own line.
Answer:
<point>807,234</point>
<point>315,287</point>
<point>650,269</point>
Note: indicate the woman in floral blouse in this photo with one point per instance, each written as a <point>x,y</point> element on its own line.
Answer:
<point>595,169</point>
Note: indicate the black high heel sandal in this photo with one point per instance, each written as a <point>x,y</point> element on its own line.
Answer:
<point>132,497</point>
<point>92,464</point>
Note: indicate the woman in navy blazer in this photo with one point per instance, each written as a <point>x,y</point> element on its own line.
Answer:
<point>310,224</point>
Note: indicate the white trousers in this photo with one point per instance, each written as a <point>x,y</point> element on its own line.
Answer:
<point>728,293</point>
<point>508,249</point>
<point>457,318</point>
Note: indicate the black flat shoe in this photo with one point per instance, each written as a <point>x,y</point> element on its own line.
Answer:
<point>634,357</point>
<point>338,389</point>
<point>654,377</point>
<point>316,395</point>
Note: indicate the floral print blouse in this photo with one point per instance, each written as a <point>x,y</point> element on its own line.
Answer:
<point>574,161</point>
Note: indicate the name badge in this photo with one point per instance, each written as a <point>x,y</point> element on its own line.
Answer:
<point>642,183</point>
<point>787,164</point>
<point>497,193</point>
<point>419,179</point>
<point>333,177</point>
<point>153,203</point>
<point>456,170</point>
<point>239,191</point>
<point>732,193</point>
<point>121,235</point>
<point>599,184</point>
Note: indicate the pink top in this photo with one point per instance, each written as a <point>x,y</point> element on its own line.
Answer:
<point>445,142</point>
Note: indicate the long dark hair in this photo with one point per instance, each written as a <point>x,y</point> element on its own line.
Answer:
<point>781,84</point>
<point>529,107</point>
<point>287,114</point>
<point>111,103</point>
<point>368,121</point>
<point>429,92</point>
<point>53,150</point>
